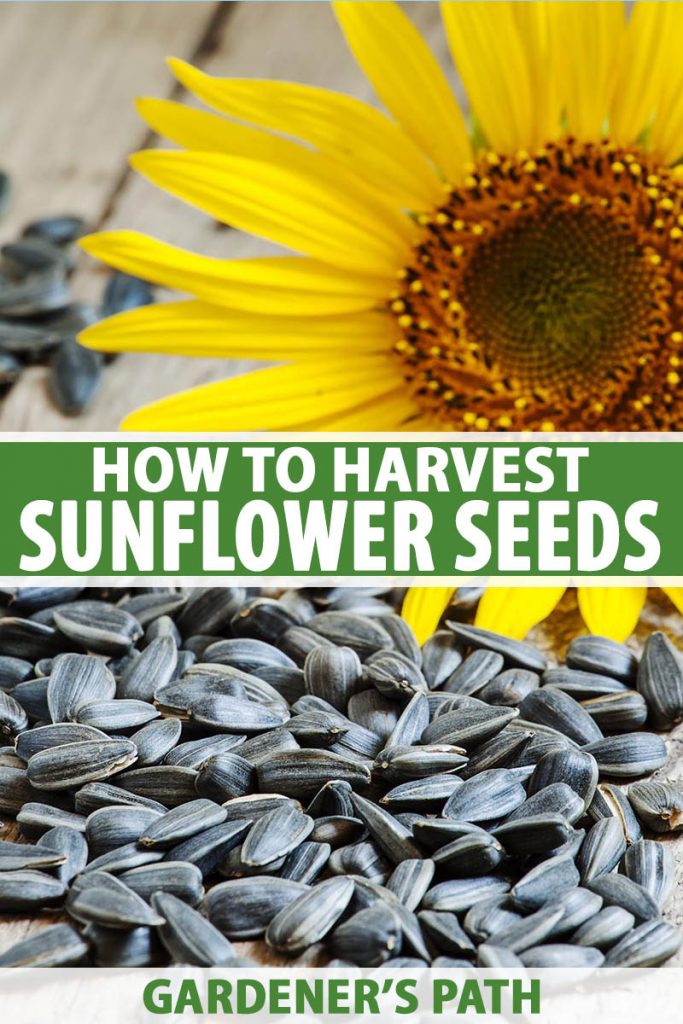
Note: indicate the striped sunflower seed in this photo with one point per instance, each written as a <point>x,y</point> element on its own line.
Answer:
<point>72,845</point>
<point>77,679</point>
<point>337,830</point>
<point>475,672</point>
<point>361,860</point>
<point>553,707</point>
<point>577,768</point>
<point>116,715</point>
<point>660,681</point>
<point>25,857</point>
<point>189,937</point>
<point>469,722</point>
<point>155,740</point>
<point>375,712</point>
<point>514,652</point>
<point>394,675</point>
<point>29,890</point>
<point>306,862</point>
<point>110,827</point>
<point>529,931</point>
<point>75,764</point>
<point>102,794</point>
<point>13,717</point>
<point>224,777</point>
<point>659,805</point>
<point>488,917</point>
<point>489,955</point>
<point>430,792</point>
<point>181,879</point>
<point>628,755</point>
<point>150,672</point>
<point>118,907</point>
<point>485,797</point>
<point>617,712</point>
<point>441,655</point>
<point>562,955</point>
<point>368,938</point>
<point>605,929</point>
<point>57,946</point>
<point>601,850</point>
<point>208,848</point>
<point>533,834</point>
<point>166,784</point>
<point>610,801</point>
<point>602,656</point>
<point>229,714</point>
<point>193,753</point>
<point>43,737</point>
<point>582,685</point>
<point>510,687</point>
<point>301,773</point>
<point>556,798</point>
<point>651,865</point>
<point>333,673</point>
<point>98,627</point>
<point>275,835</point>
<point>557,876</point>
<point>35,819</point>
<point>620,891</point>
<point>459,894</point>
<point>346,629</point>
<point>649,944</point>
<point>242,908</point>
<point>410,880</point>
<point>308,918</point>
<point>392,838</point>
<point>469,856</point>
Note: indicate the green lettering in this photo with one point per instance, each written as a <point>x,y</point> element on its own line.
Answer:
<point>218,996</point>
<point>533,996</point>
<point>338,995</point>
<point>188,996</point>
<point>471,997</point>
<point>365,996</point>
<point>245,987</point>
<point>405,990</point>
<point>443,992</point>
<point>278,995</point>
<point>496,985</point>
<point>310,996</point>
<point>154,999</point>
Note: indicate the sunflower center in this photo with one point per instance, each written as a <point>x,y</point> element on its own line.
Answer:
<point>546,295</point>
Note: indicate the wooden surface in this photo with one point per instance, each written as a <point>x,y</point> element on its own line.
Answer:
<point>69,74</point>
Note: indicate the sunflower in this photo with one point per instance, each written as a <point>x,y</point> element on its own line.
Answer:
<point>607,611</point>
<point>514,267</point>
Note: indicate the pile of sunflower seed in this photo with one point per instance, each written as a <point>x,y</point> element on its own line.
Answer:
<point>193,768</point>
<point>39,321</point>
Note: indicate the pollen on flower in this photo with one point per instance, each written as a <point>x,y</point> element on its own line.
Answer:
<point>547,294</point>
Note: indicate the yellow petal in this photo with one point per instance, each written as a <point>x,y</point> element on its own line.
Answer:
<point>356,134</point>
<point>675,595</point>
<point>611,611</point>
<point>591,41</point>
<point>198,329</point>
<point>408,80</point>
<point>423,607</point>
<point>278,398</point>
<point>650,72</point>
<point>394,411</point>
<point>503,54</point>
<point>274,284</point>
<point>308,212</point>
<point>513,611</point>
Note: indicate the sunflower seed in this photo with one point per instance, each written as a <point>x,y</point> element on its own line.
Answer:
<point>617,712</point>
<point>102,794</point>
<point>179,878</point>
<point>124,292</point>
<point>155,740</point>
<point>394,675</point>
<point>32,695</point>
<point>620,891</point>
<point>110,827</point>
<point>244,907</point>
<point>301,773</point>
<point>337,830</point>
<point>13,671</point>
<point>13,718</point>
<point>562,955</point>
<point>188,937</point>
<point>659,805</point>
<point>602,656</point>
<point>489,955</point>
<point>310,917</point>
<point>74,764</point>
<point>361,859</point>
<point>58,230</point>
<point>651,865</point>
<point>478,669</point>
<point>402,635</point>
<point>529,931</point>
<point>166,784</point>
<point>29,890</point>
<point>488,917</point>
<point>150,672</point>
<point>468,723</point>
<point>458,894</point>
<point>72,845</point>
<point>577,768</point>
<point>605,929</point>
<point>611,802</point>
<point>77,679</point>
<point>208,848</point>
<point>119,908</point>
<point>253,807</point>
<point>419,763</point>
<point>123,858</point>
<point>346,629</point>
<point>368,938</point>
<point>23,638</point>
<point>486,797</point>
<point>35,819</point>
<point>275,835</point>
<point>557,709</point>
<point>660,681</point>
<point>57,946</point>
<point>149,607</point>
<point>629,755</point>
<point>22,857</point>
<point>75,376</point>
<point>410,880</point>
<point>333,673</point>
<point>470,855</point>
<point>411,724</point>
<point>557,876</point>
<point>306,862</point>
<point>392,838</point>
<point>194,753</point>
<point>602,849</point>
<point>649,944</point>
<point>515,652</point>
<point>578,906</point>
<point>229,714</point>
<point>440,657</point>
<point>43,737</point>
<point>429,792</point>
<point>116,715</point>
<point>509,688</point>
<point>138,947</point>
<point>224,777</point>
<point>100,628</point>
<point>582,685</point>
<point>375,712</point>
<point>500,751</point>
<point>533,834</point>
